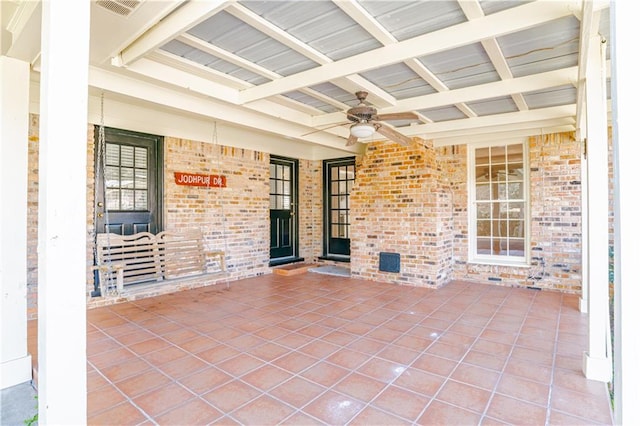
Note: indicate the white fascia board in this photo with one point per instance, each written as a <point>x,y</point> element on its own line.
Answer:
<point>24,27</point>
<point>508,21</point>
<point>207,107</point>
<point>496,136</point>
<point>477,123</point>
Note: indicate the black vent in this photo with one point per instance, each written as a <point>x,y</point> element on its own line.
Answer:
<point>389,262</point>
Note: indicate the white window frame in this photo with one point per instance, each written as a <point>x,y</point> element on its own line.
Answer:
<point>490,259</point>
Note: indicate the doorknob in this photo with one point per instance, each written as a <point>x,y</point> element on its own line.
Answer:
<point>100,214</point>
<point>100,204</point>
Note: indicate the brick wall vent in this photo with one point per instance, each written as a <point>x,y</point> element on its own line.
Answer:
<point>389,262</point>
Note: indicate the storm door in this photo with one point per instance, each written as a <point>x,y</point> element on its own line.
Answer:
<point>283,209</point>
<point>127,197</point>
<point>339,176</point>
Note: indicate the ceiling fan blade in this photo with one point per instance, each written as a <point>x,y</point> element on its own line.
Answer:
<point>326,128</point>
<point>351,140</point>
<point>393,135</point>
<point>398,116</point>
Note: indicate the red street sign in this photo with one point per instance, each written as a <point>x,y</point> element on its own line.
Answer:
<point>192,179</point>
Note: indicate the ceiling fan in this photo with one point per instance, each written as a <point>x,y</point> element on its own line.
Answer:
<point>366,121</point>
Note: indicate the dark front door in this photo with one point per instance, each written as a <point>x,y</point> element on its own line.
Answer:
<point>282,200</point>
<point>339,176</point>
<point>127,199</point>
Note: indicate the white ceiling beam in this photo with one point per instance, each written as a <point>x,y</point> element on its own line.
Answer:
<point>208,107</point>
<point>225,55</point>
<point>474,93</point>
<point>506,119</point>
<point>184,18</point>
<point>589,26</point>
<point>373,27</point>
<point>351,83</point>
<point>511,127</point>
<point>507,21</point>
<point>180,63</point>
<point>496,136</point>
<point>24,27</point>
<point>473,10</point>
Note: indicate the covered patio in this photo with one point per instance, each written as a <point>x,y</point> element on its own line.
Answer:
<point>318,349</point>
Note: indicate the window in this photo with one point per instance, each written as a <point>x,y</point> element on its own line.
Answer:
<point>126,177</point>
<point>498,204</point>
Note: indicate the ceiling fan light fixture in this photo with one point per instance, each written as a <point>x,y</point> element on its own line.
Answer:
<point>362,130</point>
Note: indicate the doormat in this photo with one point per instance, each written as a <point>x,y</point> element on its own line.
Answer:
<point>339,271</point>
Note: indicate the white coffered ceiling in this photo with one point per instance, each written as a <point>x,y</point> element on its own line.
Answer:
<point>467,68</point>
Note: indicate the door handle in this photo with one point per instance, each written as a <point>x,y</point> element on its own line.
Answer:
<point>100,214</point>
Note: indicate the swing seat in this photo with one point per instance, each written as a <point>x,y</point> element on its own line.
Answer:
<point>148,258</point>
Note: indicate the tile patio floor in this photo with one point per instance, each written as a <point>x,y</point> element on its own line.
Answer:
<point>315,349</point>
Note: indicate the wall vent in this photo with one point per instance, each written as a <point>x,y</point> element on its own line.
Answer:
<point>119,7</point>
<point>389,262</point>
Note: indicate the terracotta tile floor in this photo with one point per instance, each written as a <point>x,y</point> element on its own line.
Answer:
<point>318,349</point>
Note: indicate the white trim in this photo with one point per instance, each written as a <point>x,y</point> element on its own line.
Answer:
<point>483,259</point>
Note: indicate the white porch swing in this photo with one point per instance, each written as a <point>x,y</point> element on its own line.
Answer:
<point>169,259</point>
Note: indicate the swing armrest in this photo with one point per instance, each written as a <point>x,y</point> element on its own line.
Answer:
<point>119,268</point>
<point>220,255</point>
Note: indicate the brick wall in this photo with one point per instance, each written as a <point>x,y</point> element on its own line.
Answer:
<point>310,209</point>
<point>235,218</point>
<point>555,184</point>
<point>399,205</point>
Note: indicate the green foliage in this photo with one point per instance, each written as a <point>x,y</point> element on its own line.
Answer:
<point>33,420</point>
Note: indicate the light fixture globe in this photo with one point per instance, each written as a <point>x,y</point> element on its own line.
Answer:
<point>362,130</point>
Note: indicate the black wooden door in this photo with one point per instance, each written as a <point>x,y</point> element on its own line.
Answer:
<point>127,198</point>
<point>339,176</point>
<point>282,200</point>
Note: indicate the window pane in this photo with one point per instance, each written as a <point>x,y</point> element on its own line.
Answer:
<point>112,154</point>
<point>349,186</point>
<point>502,191</point>
<point>483,245</point>
<point>113,199</point>
<point>335,188</point>
<point>516,210</point>
<point>141,157</point>
<point>516,191</point>
<point>351,172</point>
<point>126,176</point>
<point>141,179</point>
<point>126,156</point>
<point>499,246</point>
<point>343,187</point>
<point>279,202</point>
<point>483,192</point>
<point>516,172</point>
<point>141,200</point>
<point>497,154</point>
<point>112,176</point>
<point>335,216</point>
<point>335,202</point>
<point>286,188</point>
<point>484,228</point>
<point>335,231</point>
<point>280,187</point>
<point>482,156</point>
<point>286,202</point>
<point>127,201</point>
<point>335,173</point>
<point>514,153</point>
<point>286,173</point>
<point>516,247</point>
<point>343,201</point>
<point>516,228</point>
<point>272,202</point>
<point>272,170</point>
<point>272,186</point>
<point>483,211</point>
<point>482,174</point>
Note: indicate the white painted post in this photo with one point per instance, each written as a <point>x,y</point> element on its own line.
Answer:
<point>14,140</point>
<point>597,359</point>
<point>624,96</point>
<point>62,227</point>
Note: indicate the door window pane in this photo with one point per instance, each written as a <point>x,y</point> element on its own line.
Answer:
<point>126,177</point>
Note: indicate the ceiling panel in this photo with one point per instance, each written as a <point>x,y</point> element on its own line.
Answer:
<point>563,95</point>
<point>407,19</point>
<point>500,105</point>
<point>399,80</point>
<point>546,47</point>
<point>465,66</point>
<point>444,113</point>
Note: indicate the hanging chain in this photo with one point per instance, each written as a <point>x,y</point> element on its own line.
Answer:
<point>221,202</point>
<point>111,287</point>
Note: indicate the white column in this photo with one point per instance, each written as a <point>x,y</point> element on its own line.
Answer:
<point>62,382</point>
<point>597,359</point>
<point>625,95</point>
<point>584,193</point>
<point>14,140</point>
